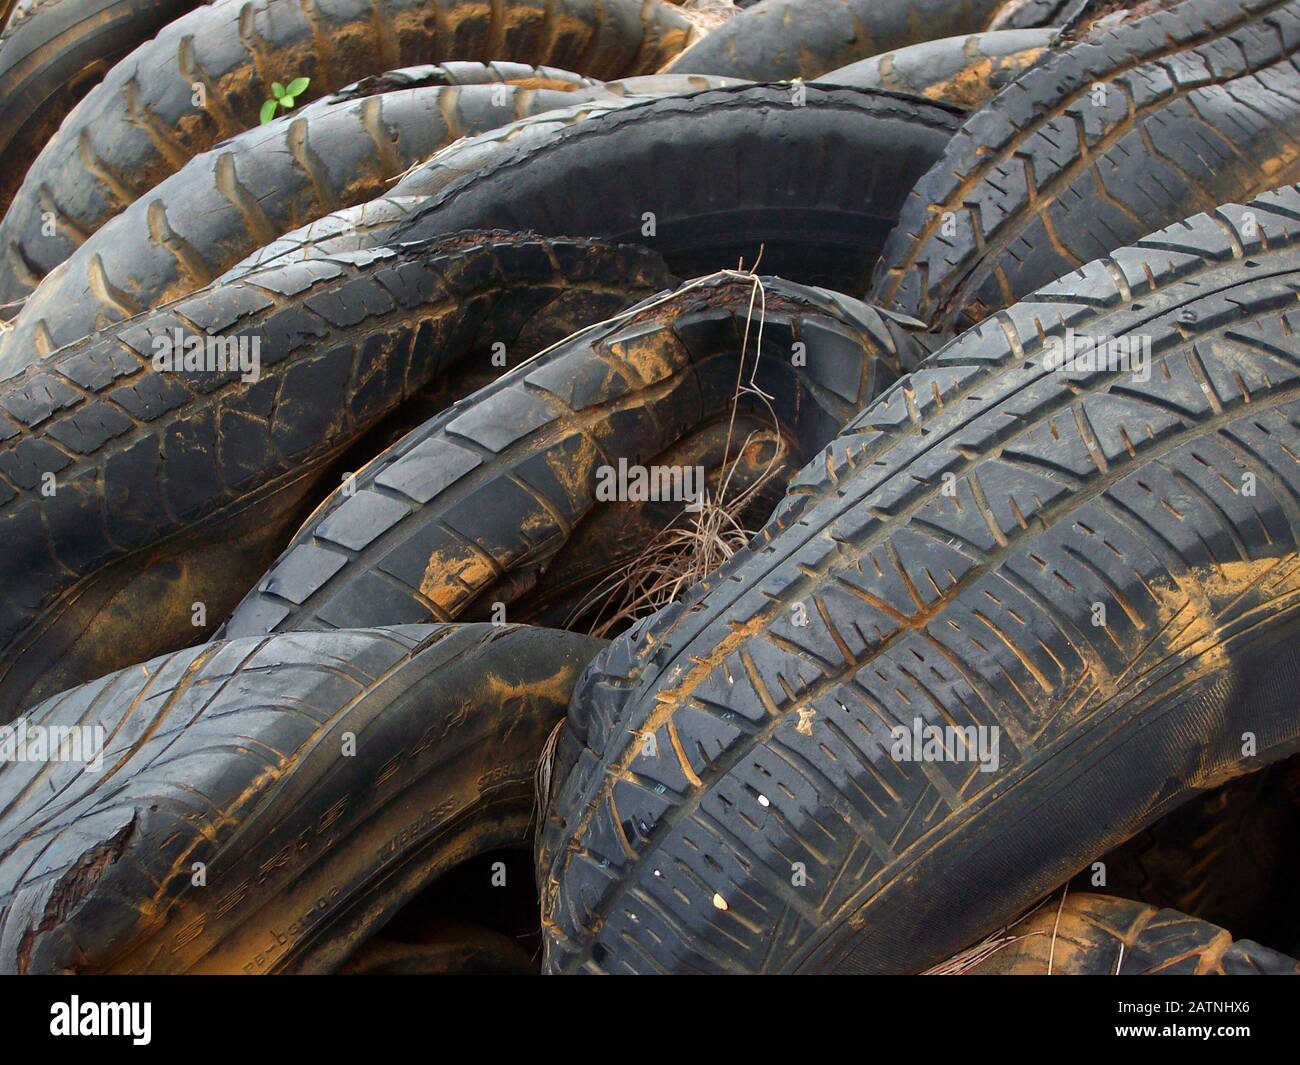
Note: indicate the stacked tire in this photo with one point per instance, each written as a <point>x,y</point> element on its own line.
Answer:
<point>971,647</point>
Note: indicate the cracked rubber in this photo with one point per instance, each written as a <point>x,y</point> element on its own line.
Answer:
<point>1096,935</point>
<point>1094,147</point>
<point>233,755</point>
<point>52,57</point>
<point>180,487</point>
<point>140,123</point>
<point>351,229</point>
<point>962,71</point>
<point>470,509</point>
<point>225,204</point>
<point>485,151</point>
<point>444,75</point>
<point>964,600</point>
<point>779,40</point>
<point>816,180</point>
<point>372,224</point>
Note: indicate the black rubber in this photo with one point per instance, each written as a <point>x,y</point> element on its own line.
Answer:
<point>458,161</point>
<point>962,71</point>
<point>777,40</point>
<point>141,124</point>
<point>350,229</point>
<point>1226,856</point>
<point>1094,147</point>
<point>180,487</point>
<point>1096,935</point>
<point>319,781</point>
<point>473,508</point>
<point>226,203</point>
<point>477,153</point>
<point>1029,14</point>
<point>52,57</point>
<point>954,550</point>
<point>812,175</point>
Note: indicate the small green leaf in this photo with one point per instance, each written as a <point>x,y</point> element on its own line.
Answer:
<point>286,102</point>
<point>277,90</point>
<point>298,86</point>
<point>268,111</point>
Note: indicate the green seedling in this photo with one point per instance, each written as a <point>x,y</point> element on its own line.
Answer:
<point>283,97</point>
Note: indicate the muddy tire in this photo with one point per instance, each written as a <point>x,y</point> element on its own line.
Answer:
<point>1094,147</point>
<point>779,40</point>
<point>132,492</point>
<point>962,71</point>
<point>954,550</point>
<point>446,75</point>
<point>52,58</point>
<point>814,180</point>
<point>1096,935</point>
<point>471,509</point>
<point>233,755</point>
<point>225,204</point>
<point>141,123</point>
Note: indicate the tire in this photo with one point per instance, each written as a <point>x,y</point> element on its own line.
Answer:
<point>969,599</point>
<point>477,153</point>
<point>1181,110</point>
<point>232,755</point>
<point>1031,14</point>
<point>225,204</point>
<point>350,229</point>
<point>469,510</point>
<point>140,124</point>
<point>179,488</point>
<point>1224,857</point>
<point>1095,935</point>
<point>814,177</point>
<point>962,71</point>
<point>778,40</point>
<point>372,224</point>
<point>488,150</point>
<point>52,57</point>
<point>446,75</point>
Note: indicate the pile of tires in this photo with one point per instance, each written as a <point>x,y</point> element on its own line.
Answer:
<point>620,487</point>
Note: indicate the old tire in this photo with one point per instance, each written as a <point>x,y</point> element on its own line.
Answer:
<point>952,549</point>
<point>778,40</point>
<point>471,508</point>
<point>141,123</point>
<point>1097,935</point>
<point>234,756</point>
<point>1093,148</point>
<point>52,58</point>
<point>1224,857</point>
<point>962,71</point>
<point>814,177</point>
<point>132,492</point>
<point>225,204</point>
